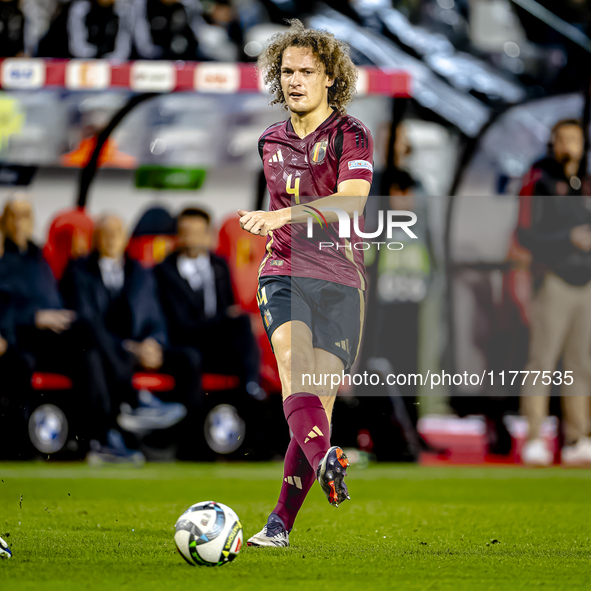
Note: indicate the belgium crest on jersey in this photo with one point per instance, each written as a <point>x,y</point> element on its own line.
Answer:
<point>319,151</point>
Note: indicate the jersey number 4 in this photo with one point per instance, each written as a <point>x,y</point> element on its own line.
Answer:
<point>295,190</point>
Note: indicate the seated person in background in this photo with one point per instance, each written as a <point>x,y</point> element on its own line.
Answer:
<point>12,29</point>
<point>52,337</point>
<point>15,379</point>
<point>196,294</point>
<point>118,298</point>
<point>86,29</point>
<point>161,30</point>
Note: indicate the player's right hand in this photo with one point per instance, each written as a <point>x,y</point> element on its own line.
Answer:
<point>261,223</point>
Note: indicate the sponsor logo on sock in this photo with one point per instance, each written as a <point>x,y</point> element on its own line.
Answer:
<point>314,433</point>
<point>295,480</point>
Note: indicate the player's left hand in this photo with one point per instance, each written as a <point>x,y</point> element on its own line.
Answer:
<point>261,223</point>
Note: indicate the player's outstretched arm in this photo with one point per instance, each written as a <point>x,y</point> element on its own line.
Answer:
<point>350,197</point>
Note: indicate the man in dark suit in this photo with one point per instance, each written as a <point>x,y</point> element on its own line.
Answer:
<point>196,294</point>
<point>118,297</point>
<point>15,378</point>
<point>50,337</point>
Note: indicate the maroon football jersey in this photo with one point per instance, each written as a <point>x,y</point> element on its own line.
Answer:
<point>301,171</point>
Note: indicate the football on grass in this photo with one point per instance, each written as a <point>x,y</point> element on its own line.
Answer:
<point>5,551</point>
<point>208,534</point>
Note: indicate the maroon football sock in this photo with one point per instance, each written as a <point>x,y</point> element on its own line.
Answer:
<point>298,478</point>
<point>309,424</point>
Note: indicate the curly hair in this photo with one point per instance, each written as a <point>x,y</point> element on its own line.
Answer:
<point>329,51</point>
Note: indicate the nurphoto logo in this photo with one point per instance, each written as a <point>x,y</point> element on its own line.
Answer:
<point>392,219</point>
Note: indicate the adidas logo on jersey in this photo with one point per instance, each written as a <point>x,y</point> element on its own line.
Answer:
<point>277,157</point>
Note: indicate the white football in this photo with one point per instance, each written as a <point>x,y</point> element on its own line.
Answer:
<point>208,534</point>
<point>5,551</point>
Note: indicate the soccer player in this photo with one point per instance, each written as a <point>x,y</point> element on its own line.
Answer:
<point>311,289</point>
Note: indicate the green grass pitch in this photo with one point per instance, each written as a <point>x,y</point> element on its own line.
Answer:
<point>407,527</point>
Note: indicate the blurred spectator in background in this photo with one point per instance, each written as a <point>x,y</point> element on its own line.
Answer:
<point>162,30</point>
<point>86,29</point>
<point>224,30</point>
<point>402,146</point>
<point>399,150</point>
<point>118,298</point>
<point>38,306</point>
<point>555,225</point>
<point>12,29</point>
<point>48,334</point>
<point>402,151</point>
<point>560,172</point>
<point>449,18</point>
<point>196,293</point>
<point>15,377</point>
<point>279,10</point>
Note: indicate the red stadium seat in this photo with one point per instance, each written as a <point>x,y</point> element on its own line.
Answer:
<point>150,250</point>
<point>243,252</point>
<point>70,237</point>
<point>214,382</point>
<point>153,238</point>
<point>155,382</point>
<point>50,381</point>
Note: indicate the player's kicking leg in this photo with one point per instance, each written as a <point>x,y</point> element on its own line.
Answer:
<point>331,470</point>
<point>303,405</point>
<point>293,347</point>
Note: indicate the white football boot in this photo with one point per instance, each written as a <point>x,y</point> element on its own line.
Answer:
<point>536,453</point>
<point>273,534</point>
<point>578,454</point>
